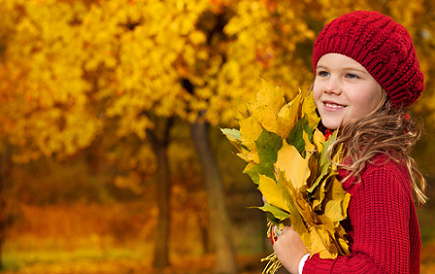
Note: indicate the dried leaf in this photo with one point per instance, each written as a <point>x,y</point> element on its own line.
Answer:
<point>277,212</point>
<point>250,130</point>
<point>268,145</point>
<point>269,102</point>
<point>295,167</point>
<point>232,134</point>
<point>255,170</point>
<point>310,111</point>
<point>287,117</point>
<point>298,224</point>
<point>271,192</point>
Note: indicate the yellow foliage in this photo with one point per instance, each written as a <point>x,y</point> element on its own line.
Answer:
<point>131,182</point>
<point>47,105</point>
<point>168,58</point>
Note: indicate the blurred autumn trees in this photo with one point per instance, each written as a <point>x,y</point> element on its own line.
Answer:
<point>119,81</point>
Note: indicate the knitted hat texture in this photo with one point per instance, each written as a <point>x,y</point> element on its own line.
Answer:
<point>379,44</point>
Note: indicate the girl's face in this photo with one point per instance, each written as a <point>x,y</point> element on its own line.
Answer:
<point>344,90</point>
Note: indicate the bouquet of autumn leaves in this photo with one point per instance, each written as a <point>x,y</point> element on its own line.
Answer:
<point>288,159</point>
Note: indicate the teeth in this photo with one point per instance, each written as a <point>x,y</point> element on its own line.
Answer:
<point>333,105</point>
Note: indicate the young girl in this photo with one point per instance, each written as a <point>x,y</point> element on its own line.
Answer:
<point>367,74</point>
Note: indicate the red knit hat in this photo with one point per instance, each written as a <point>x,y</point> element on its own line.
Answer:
<point>379,44</point>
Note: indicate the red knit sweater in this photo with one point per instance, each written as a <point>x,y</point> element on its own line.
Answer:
<point>384,230</point>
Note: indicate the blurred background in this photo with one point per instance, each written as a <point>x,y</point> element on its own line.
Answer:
<point>111,156</point>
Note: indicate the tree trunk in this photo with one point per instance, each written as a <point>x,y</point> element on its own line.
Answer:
<point>219,218</point>
<point>5,171</point>
<point>204,230</point>
<point>161,249</point>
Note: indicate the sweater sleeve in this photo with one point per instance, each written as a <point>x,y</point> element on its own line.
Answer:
<point>379,213</point>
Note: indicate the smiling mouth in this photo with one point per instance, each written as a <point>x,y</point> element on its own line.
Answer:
<point>332,105</point>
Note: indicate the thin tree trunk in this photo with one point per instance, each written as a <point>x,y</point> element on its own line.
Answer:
<point>1,252</point>
<point>161,249</point>
<point>5,171</point>
<point>219,218</point>
<point>204,230</point>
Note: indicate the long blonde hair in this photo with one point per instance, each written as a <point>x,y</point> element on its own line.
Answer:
<point>386,130</point>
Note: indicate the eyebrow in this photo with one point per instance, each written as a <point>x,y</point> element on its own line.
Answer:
<point>345,68</point>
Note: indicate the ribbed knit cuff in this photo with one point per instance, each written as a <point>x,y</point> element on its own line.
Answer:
<point>302,263</point>
<point>317,265</point>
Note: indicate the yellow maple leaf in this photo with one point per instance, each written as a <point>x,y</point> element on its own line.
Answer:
<point>336,207</point>
<point>318,139</point>
<point>337,157</point>
<point>265,109</point>
<point>249,166</point>
<point>309,147</point>
<point>343,244</point>
<point>321,243</point>
<point>295,167</point>
<point>250,129</point>
<point>270,191</point>
<point>310,110</point>
<point>287,117</point>
<point>288,192</point>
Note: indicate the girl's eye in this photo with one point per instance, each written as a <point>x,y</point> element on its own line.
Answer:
<point>351,76</point>
<point>323,73</point>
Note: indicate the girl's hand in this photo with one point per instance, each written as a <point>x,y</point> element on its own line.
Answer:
<point>289,249</point>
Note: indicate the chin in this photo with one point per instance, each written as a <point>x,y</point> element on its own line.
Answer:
<point>331,125</point>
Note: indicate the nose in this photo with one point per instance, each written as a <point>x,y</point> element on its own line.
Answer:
<point>332,86</point>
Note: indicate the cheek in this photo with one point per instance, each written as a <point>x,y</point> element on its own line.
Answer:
<point>316,95</point>
<point>367,103</point>
<point>317,102</point>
